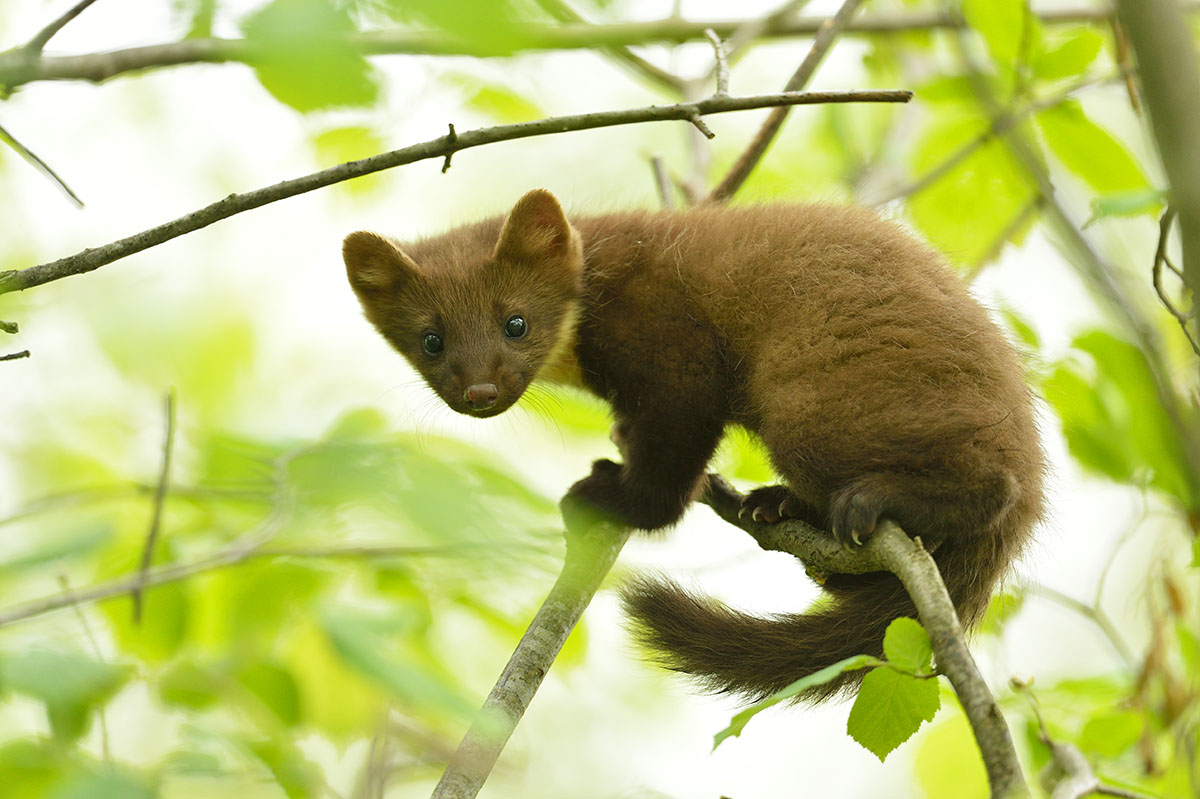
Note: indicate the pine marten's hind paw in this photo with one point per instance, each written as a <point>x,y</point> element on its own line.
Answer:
<point>853,514</point>
<point>776,503</point>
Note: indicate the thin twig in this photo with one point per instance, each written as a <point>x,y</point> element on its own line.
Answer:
<point>32,158</point>
<point>770,128</point>
<point>1160,258</point>
<point>564,12</point>
<point>16,69</point>
<point>35,45</point>
<point>662,181</point>
<point>160,497</point>
<point>889,549</point>
<point>231,556</point>
<point>12,356</point>
<point>95,258</point>
<point>722,65</point>
<point>590,556</point>
<point>1094,614</point>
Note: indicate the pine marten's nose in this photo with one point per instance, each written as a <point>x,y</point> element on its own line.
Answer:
<point>481,396</point>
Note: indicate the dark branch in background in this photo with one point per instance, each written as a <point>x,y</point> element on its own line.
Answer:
<point>1160,258</point>
<point>889,549</point>
<point>770,128</point>
<point>17,68</point>
<point>160,496</point>
<point>442,147</point>
<point>12,356</point>
<point>1170,78</point>
<point>589,558</point>
<point>662,181</point>
<point>35,45</point>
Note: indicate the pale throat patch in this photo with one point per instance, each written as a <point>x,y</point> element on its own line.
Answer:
<point>562,365</point>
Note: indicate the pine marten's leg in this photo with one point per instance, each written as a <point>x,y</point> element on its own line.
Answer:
<point>665,458</point>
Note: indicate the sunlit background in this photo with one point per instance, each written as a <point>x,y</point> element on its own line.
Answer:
<point>300,432</point>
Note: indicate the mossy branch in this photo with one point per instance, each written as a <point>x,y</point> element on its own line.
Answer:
<point>890,549</point>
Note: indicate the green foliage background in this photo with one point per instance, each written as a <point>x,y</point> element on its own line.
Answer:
<point>341,572</point>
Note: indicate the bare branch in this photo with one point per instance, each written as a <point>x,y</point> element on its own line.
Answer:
<point>889,549</point>
<point>95,258</point>
<point>17,69</point>
<point>766,134</point>
<point>1170,78</point>
<point>590,556</point>
<point>32,158</point>
<point>35,45</point>
<point>160,496</point>
<point>722,65</point>
<point>1160,258</point>
<point>1094,614</point>
<point>12,356</point>
<point>662,181</point>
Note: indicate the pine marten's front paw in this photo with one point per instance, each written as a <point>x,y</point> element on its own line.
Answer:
<point>776,503</point>
<point>592,500</point>
<point>853,514</point>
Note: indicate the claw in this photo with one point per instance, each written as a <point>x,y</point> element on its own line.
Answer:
<point>757,515</point>
<point>742,512</point>
<point>854,537</point>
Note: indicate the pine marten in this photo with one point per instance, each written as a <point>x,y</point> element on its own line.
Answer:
<point>878,386</point>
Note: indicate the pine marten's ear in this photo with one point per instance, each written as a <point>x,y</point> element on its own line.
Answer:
<point>375,264</point>
<point>536,229</point>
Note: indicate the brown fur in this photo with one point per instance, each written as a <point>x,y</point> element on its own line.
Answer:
<point>879,387</point>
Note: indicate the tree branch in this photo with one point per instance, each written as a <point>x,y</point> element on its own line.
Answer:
<point>32,158</point>
<point>442,147</point>
<point>35,45</point>
<point>1170,77</point>
<point>160,496</point>
<point>589,558</point>
<point>889,549</point>
<point>750,157</point>
<point>17,68</point>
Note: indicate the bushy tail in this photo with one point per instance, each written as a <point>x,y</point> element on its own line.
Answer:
<point>728,651</point>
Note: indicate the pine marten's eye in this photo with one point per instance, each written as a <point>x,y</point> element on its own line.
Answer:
<point>432,343</point>
<point>515,327</point>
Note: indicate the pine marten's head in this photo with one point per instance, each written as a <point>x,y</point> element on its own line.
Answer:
<point>478,311</point>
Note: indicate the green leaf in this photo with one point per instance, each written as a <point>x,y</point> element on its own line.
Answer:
<point>1128,203</point>
<point>1025,332</point>
<point>1070,56</point>
<point>303,56</point>
<point>350,143</point>
<point>274,686</point>
<point>1007,26</point>
<point>298,776</point>
<point>890,707</point>
<point>482,27</point>
<point>104,784</point>
<point>494,100</point>
<point>739,721</point>
<point>906,646</point>
<point>192,686</point>
<point>1088,150</point>
<point>70,685</point>
<point>1110,734</point>
<point>968,208</point>
<point>948,762</point>
<point>28,770</point>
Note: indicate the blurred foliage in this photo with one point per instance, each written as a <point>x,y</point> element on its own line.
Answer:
<point>316,591</point>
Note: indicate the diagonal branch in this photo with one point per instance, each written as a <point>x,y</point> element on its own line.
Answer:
<point>590,556</point>
<point>32,157</point>
<point>770,128</point>
<point>889,549</point>
<point>35,45</point>
<point>160,496</point>
<point>442,147</point>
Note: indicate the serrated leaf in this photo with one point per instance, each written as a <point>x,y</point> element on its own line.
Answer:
<point>906,646</point>
<point>889,708</point>
<point>739,721</point>
<point>1070,56</point>
<point>1088,150</point>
